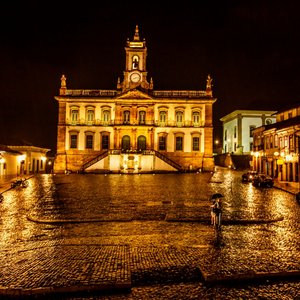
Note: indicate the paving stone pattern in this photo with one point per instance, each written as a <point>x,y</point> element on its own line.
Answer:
<point>148,249</point>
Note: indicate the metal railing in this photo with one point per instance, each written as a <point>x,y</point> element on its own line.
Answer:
<point>94,160</point>
<point>122,151</point>
<point>156,123</point>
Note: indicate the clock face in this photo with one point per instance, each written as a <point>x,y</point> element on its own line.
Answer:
<point>135,77</point>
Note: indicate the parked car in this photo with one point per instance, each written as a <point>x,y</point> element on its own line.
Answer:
<point>248,177</point>
<point>262,180</point>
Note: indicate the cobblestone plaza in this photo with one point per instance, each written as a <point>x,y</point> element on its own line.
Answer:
<point>148,237</point>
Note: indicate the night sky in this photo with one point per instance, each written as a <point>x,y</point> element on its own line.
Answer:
<point>251,50</point>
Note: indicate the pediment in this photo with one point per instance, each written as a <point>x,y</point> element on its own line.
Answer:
<point>134,94</point>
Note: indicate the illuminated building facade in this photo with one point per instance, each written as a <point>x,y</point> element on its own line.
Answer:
<point>276,146</point>
<point>238,129</point>
<point>134,128</point>
<point>22,160</point>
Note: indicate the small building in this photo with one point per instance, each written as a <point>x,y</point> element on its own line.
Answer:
<point>22,160</point>
<point>134,128</point>
<point>238,129</point>
<point>276,146</point>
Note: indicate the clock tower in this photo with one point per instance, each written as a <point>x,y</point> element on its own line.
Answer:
<point>135,73</point>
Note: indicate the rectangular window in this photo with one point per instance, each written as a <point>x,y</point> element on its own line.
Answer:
<point>196,144</point>
<point>142,117</point>
<point>89,142</point>
<point>271,141</point>
<point>105,142</point>
<point>235,132</point>
<point>162,143</point>
<point>276,141</point>
<point>179,143</point>
<point>286,141</point>
<point>126,117</point>
<point>291,144</point>
<point>33,165</point>
<point>281,142</point>
<point>268,142</point>
<point>73,143</point>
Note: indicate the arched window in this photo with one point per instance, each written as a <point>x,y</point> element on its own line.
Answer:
<point>90,115</point>
<point>141,143</point>
<point>142,117</point>
<point>106,116</point>
<point>126,142</point>
<point>135,62</point>
<point>196,118</point>
<point>126,117</point>
<point>179,118</point>
<point>74,115</point>
<point>162,117</point>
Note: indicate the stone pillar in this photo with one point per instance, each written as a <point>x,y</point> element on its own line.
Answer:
<point>133,138</point>
<point>150,140</point>
<point>60,160</point>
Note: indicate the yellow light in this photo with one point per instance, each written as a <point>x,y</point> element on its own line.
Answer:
<point>21,157</point>
<point>288,157</point>
<point>43,158</point>
<point>2,160</point>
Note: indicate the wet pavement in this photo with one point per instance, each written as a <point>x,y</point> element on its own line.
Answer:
<point>148,237</point>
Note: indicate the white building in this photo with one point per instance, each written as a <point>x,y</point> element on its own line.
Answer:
<point>22,160</point>
<point>238,129</point>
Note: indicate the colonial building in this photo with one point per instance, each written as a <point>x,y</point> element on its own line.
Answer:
<point>134,128</point>
<point>22,160</point>
<point>238,129</point>
<point>276,146</point>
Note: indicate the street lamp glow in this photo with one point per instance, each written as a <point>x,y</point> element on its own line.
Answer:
<point>21,157</point>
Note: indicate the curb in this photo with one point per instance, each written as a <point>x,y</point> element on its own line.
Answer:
<point>16,293</point>
<point>250,277</point>
<point>207,221</point>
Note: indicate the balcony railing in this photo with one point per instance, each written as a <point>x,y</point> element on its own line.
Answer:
<point>179,94</point>
<point>95,93</point>
<point>97,122</point>
<point>159,94</point>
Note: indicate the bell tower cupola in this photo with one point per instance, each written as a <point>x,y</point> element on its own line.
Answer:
<point>135,73</point>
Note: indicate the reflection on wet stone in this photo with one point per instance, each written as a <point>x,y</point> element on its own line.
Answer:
<point>136,231</point>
